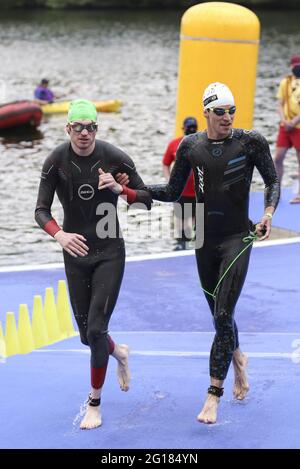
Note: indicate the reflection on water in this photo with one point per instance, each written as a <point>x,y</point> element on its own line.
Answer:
<point>131,56</point>
<point>20,134</point>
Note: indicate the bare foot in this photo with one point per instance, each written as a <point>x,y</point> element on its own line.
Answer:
<point>209,412</point>
<point>121,354</point>
<point>241,385</point>
<point>92,418</point>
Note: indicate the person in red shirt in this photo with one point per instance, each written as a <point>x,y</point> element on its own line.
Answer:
<point>184,208</point>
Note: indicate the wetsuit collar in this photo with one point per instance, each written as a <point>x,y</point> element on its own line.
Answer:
<point>218,142</point>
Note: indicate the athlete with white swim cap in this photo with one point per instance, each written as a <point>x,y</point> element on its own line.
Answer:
<point>223,160</point>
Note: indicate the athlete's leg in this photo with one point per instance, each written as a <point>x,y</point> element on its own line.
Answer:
<point>278,161</point>
<point>296,199</point>
<point>105,285</point>
<point>226,340</point>
<point>78,273</point>
<point>188,216</point>
<point>84,280</point>
<point>298,158</point>
<point>184,213</point>
<point>283,143</point>
<point>225,346</point>
<point>208,263</point>
<point>210,271</point>
<point>79,276</point>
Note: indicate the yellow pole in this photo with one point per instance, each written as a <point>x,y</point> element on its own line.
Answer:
<point>218,42</point>
<point>63,310</point>
<point>24,330</point>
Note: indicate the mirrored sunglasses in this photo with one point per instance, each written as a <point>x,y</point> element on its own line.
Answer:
<point>80,127</point>
<point>220,111</point>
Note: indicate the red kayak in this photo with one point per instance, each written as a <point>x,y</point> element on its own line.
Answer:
<point>20,113</point>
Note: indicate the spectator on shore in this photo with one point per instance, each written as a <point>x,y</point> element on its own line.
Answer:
<point>289,112</point>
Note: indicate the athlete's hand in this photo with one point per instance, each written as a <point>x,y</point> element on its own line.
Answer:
<point>107,181</point>
<point>263,229</point>
<point>73,243</point>
<point>122,178</point>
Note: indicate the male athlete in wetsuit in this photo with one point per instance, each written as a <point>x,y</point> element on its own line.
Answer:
<point>223,160</point>
<point>82,174</point>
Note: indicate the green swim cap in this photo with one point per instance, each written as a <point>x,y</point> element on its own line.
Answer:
<point>82,110</point>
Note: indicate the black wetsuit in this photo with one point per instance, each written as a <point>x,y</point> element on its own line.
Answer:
<point>94,280</point>
<point>223,172</point>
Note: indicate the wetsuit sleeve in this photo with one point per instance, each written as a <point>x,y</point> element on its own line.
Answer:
<point>262,159</point>
<point>136,190</point>
<point>179,175</point>
<point>48,183</point>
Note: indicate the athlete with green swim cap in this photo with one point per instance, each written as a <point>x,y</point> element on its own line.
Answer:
<point>83,172</point>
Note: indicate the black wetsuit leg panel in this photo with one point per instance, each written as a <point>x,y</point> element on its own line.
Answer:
<point>79,275</point>
<point>94,288</point>
<point>106,283</point>
<point>223,252</point>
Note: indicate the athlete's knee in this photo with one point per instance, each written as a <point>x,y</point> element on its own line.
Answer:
<point>224,323</point>
<point>99,347</point>
<point>96,335</point>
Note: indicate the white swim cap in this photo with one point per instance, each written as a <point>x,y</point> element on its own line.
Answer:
<point>217,94</point>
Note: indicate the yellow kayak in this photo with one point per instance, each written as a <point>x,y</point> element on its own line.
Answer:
<point>62,107</point>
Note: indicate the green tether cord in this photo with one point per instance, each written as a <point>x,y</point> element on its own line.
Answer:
<point>248,239</point>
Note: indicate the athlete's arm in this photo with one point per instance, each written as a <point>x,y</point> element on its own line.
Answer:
<point>136,191</point>
<point>73,243</point>
<point>264,163</point>
<point>48,183</point>
<point>179,175</point>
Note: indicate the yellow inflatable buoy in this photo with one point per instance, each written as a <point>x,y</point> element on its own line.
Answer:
<point>218,42</point>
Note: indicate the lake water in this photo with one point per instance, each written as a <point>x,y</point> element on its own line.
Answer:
<point>132,56</point>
